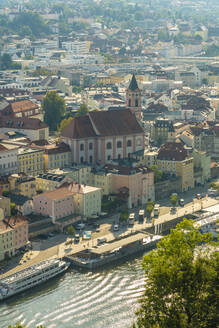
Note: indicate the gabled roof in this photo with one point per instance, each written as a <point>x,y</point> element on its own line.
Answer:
<point>133,84</point>
<point>20,106</point>
<point>172,151</point>
<point>109,123</point>
<point>22,123</point>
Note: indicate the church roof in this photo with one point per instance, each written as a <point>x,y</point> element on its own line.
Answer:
<point>133,84</point>
<point>109,123</point>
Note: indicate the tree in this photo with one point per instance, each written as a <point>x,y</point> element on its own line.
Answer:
<point>157,173</point>
<point>181,281</point>
<point>19,325</point>
<point>76,89</point>
<point>124,216</point>
<point>13,209</point>
<point>83,110</point>
<point>71,230</point>
<point>64,123</point>
<point>150,207</point>
<point>6,61</point>
<point>54,108</point>
<point>173,199</point>
<point>5,193</point>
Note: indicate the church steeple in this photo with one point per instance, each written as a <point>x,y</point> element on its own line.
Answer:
<point>133,98</point>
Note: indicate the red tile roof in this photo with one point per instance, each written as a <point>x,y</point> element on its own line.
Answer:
<point>172,151</point>
<point>103,123</point>
<point>22,123</point>
<point>20,106</point>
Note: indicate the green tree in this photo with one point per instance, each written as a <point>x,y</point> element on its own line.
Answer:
<point>150,207</point>
<point>19,325</point>
<point>5,193</point>
<point>6,61</point>
<point>65,122</point>
<point>181,282</point>
<point>83,110</point>
<point>71,230</point>
<point>173,199</point>
<point>54,108</point>
<point>13,209</point>
<point>124,216</point>
<point>157,173</point>
<point>76,89</point>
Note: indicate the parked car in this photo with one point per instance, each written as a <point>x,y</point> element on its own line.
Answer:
<point>77,238</point>
<point>116,227</point>
<point>101,241</point>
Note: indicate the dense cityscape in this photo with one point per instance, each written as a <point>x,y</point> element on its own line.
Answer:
<point>109,150</point>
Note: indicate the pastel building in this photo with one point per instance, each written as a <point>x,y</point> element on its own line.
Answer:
<point>68,200</point>
<point>100,137</point>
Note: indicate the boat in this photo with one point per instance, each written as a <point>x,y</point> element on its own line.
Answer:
<point>31,277</point>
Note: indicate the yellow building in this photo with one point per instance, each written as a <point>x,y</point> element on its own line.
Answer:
<point>101,180</point>
<point>57,156</point>
<point>6,241</point>
<point>173,158</point>
<point>5,205</point>
<point>22,184</point>
<point>50,181</point>
<point>30,161</point>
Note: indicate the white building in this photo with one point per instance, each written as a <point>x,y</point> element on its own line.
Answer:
<point>8,159</point>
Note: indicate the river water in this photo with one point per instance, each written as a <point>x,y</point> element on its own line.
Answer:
<point>106,299</point>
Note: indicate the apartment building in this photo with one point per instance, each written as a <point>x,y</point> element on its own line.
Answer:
<point>22,184</point>
<point>8,159</point>
<point>173,158</point>
<point>30,161</point>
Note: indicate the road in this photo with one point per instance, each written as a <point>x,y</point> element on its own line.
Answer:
<point>56,246</point>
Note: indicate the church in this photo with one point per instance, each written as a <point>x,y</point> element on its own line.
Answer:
<point>100,137</point>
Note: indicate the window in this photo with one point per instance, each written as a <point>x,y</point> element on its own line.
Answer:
<point>91,159</point>
<point>129,102</point>
<point>90,146</point>
<point>108,157</point>
<point>119,144</point>
<point>109,145</point>
<point>82,159</point>
<point>119,156</point>
<point>81,147</point>
<point>139,142</point>
<point>129,143</point>
<point>136,102</point>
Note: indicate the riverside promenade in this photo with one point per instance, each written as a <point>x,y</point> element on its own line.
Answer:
<point>59,246</point>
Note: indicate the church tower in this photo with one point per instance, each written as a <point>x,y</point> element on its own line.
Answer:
<point>133,98</point>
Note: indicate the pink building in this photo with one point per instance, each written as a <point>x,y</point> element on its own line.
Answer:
<point>56,204</point>
<point>20,225</point>
<point>99,137</point>
<point>138,180</point>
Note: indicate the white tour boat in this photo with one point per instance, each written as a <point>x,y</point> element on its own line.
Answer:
<point>31,277</point>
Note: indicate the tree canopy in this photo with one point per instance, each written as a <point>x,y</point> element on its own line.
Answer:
<point>54,108</point>
<point>82,110</point>
<point>181,281</point>
<point>64,123</point>
<point>174,199</point>
<point>7,63</point>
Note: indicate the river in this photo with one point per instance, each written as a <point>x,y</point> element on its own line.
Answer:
<point>105,299</point>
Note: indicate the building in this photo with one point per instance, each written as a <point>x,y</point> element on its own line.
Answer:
<point>5,205</point>
<point>174,159</point>
<point>99,137</point>
<point>69,200</point>
<point>33,128</point>
<point>50,181</point>
<point>57,156</point>
<point>22,184</point>
<point>162,129</point>
<point>13,235</point>
<point>202,167</point>
<point>30,161</point>
<point>23,108</point>
<point>8,159</point>
<point>133,98</point>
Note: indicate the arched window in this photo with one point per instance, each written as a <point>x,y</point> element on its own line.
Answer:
<point>119,144</point>
<point>109,145</point>
<point>90,146</point>
<point>129,143</point>
<point>81,146</point>
<point>82,159</point>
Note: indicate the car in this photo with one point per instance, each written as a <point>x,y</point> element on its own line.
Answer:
<point>77,238</point>
<point>115,227</point>
<point>80,226</point>
<point>101,241</point>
